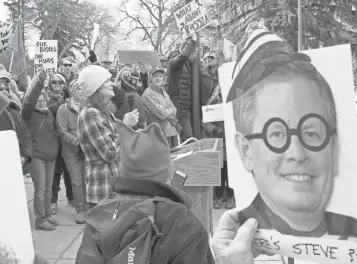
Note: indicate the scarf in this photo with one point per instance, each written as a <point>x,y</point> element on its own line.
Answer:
<point>75,106</point>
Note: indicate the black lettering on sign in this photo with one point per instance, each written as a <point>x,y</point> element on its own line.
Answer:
<point>47,60</point>
<point>41,44</point>
<point>266,244</point>
<point>351,253</point>
<point>183,12</point>
<point>48,49</point>
<point>4,34</point>
<point>38,56</point>
<point>5,41</point>
<point>316,250</point>
<point>3,49</point>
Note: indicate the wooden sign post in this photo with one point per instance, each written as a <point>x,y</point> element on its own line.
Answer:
<point>203,170</point>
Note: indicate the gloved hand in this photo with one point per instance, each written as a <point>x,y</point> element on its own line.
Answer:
<point>92,57</point>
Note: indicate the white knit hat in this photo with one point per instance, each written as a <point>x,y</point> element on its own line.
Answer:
<point>91,78</point>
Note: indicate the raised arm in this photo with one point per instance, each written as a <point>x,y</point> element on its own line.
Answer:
<point>32,95</point>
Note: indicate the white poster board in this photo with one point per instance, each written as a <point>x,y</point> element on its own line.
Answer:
<point>5,34</point>
<point>191,18</point>
<point>229,50</point>
<point>212,113</point>
<point>341,202</point>
<point>46,56</point>
<point>13,202</point>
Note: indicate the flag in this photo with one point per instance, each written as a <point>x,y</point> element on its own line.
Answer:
<point>18,45</point>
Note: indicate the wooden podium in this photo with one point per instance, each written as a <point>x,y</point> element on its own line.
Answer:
<point>203,170</point>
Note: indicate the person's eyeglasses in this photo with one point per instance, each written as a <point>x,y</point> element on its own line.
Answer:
<point>57,82</point>
<point>67,65</point>
<point>41,101</point>
<point>313,132</point>
<point>211,57</point>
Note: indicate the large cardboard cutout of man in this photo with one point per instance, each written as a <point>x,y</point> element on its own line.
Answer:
<point>287,138</point>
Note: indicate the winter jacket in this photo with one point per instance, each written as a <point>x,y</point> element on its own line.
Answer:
<point>180,83</point>
<point>41,125</point>
<point>209,82</point>
<point>67,120</point>
<point>184,238</point>
<point>159,109</point>
<point>11,119</point>
<point>120,112</point>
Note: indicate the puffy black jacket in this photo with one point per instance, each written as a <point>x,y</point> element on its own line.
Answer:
<point>180,82</point>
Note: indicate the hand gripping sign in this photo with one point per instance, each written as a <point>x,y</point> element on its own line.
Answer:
<point>191,18</point>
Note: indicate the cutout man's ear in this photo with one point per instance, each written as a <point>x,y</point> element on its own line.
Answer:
<point>245,152</point>
<point>336,151</point>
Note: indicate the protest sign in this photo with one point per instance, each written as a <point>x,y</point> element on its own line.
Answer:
<point>212,113</point>
<point>326,250</point>
<point>229,50</point>
<point>17,240</point>
<point>144,57</point>
<point>5,34</point>
<point>291,144</point>
<point>191,18</point>
<point>46,56</point>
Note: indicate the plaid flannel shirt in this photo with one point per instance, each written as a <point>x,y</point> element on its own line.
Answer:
<point>100,144</point>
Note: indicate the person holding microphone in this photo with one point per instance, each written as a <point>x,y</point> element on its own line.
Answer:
<point>97,132</point>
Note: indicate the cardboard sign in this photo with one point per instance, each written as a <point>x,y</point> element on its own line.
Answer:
<point>145,57</point>
<point>17,240</point>
<point>5,34</point>
<point>191,18</point>
<point>212,113</point>
<point>276,174</point>
<point>46,56</point>
<point>229,50</point>
<point>327,249</point>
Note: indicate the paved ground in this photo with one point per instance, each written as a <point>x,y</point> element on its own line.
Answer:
<point>61,246</point>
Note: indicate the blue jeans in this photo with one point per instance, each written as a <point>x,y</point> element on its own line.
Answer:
<point>42,177</point>
<point>76,169</point>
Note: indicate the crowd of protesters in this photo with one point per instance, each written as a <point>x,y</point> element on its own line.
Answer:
<point>67,123</point>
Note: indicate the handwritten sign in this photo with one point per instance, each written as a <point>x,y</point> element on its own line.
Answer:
<point>212,113</point>
<point>5,34</point>
<point>229,50</point>
<point>46,56</point>
<point>191,18</point>
<point>145,57</point>
<point>327,249</point>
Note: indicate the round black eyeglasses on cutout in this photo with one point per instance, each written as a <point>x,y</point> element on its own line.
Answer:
<point>313,132</point>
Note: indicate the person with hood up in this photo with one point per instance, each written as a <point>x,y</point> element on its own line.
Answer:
<point>67,117</point>
<point>146,170</point>
<point>97,133</point>
<point>128,81</point>
<point>44,136</point>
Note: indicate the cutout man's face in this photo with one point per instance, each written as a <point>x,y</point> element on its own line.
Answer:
<point>298,179</point>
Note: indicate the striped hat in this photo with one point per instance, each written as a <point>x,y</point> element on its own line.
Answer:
<point>73,86</point>
<point>263,53</point>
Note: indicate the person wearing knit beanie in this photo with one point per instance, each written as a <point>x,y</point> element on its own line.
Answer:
<point>145,171</point>
<point>97,131</point>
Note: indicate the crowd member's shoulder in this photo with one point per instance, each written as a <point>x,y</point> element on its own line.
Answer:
<point>338,224</point>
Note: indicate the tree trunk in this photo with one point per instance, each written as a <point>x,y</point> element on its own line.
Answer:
<point>64,50</point>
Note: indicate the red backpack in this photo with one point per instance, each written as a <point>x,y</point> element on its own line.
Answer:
<point>120,230</point>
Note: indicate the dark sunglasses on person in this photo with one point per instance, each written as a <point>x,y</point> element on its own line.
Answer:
<point>211,57</point>
<point>67,65</point>
<point>57,82</point>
